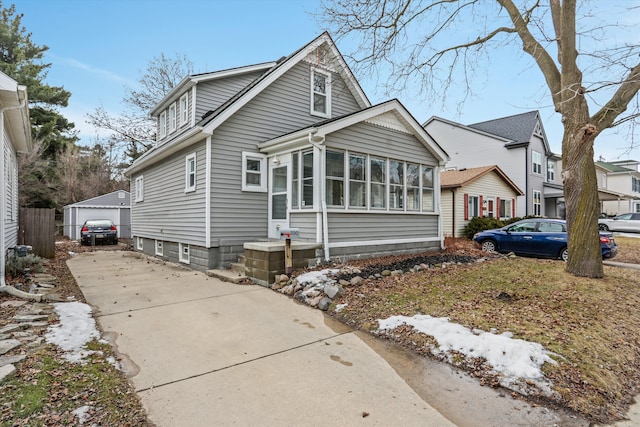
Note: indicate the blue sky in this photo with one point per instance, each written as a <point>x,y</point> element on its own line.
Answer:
<point>98,47</point>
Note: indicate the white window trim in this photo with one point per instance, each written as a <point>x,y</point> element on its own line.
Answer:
<point>262,188</point>
<point>539,202</point>
<point>536,168</point>
<point>184,109</point>
<point>139,243</point>
<point>327,76</point>
<point>159,247</point>
<point>551,171</point>
<point>184,253</point>
<point>188,188</point>
<point>140,188</point>
<point>173,117</point>
<point>163,125</point>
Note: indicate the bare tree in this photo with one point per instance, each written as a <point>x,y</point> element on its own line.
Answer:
<point>441,42</point>
<point>133,132</point>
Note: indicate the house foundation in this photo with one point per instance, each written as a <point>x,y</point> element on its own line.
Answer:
<point>265,260</point>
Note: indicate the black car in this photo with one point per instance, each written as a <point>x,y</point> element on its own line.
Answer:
<point>96,231</point>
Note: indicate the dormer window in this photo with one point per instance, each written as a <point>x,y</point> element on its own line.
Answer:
<point>172,117</point>
<point>320,94</point>
<point>163,124</point>
<point>184,110</point>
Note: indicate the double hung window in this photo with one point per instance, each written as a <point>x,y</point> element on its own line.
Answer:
<point>190,173</point>
<point>320,94</point>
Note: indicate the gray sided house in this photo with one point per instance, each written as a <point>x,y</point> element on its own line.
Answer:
<point>115,206</point>
<point>245,153</point>
<point>15,130</point>
<point>518,145</point>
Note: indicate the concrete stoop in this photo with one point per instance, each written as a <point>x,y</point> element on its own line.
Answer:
<point>235,273</point>
<point>227,275</point>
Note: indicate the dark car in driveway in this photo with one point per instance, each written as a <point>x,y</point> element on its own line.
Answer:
<point>538,237</point>
<point>96,231</point>
<point>625,222</point>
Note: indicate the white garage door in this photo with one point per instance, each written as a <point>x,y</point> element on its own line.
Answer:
<point>98,213</point>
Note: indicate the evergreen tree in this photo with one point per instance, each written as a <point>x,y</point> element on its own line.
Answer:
<point>21,59</point>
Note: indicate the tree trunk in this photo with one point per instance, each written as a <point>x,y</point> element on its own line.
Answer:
<point>581,199</point>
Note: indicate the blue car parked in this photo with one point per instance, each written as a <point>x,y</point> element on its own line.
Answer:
<point>537,237</point>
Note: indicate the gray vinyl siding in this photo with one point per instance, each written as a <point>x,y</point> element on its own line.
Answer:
<point>306,222</point>
<point>283,107</point>
<point>10,216</point>
<point>348,227</point>
<point>168,213</point>
<point>212,94</point>
<point>366,138</point>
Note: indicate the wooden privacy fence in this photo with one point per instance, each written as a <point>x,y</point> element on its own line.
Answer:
<point>38,229</point>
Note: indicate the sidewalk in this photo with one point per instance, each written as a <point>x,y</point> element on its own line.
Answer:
<point>204,352</point>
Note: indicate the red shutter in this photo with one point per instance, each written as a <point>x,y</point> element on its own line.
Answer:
<point>466,207</point>
<point>498,207</point>
<point>480,207</point>
<point>513,208</point>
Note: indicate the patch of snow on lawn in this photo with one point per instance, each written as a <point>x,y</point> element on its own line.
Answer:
<point>76,328</point>
<point>82,414</point>
<point>514,359</point>
<point>317,277</point>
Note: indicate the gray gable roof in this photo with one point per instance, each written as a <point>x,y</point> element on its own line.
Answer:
<point>518,128</point>
<point>118,198</point>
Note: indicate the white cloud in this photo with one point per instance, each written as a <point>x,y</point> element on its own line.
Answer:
<point>94,70</point>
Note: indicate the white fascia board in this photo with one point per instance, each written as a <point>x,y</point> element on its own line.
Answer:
<point>233,72</point>
<point>165,150</point>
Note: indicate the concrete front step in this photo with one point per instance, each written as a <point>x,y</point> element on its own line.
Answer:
<point>227,275</point>
<point>237,267</point>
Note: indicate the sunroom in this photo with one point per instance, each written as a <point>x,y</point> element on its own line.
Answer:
<point>361,185</point>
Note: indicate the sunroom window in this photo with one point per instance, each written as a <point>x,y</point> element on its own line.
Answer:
<point>427,189</point>
<point>413,187</point>
<point>335,178</point>
<point>396,184</point>
<point>378,183</point>
<point>357,181</point>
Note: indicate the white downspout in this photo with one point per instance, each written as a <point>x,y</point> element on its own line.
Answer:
<point>317,141</point>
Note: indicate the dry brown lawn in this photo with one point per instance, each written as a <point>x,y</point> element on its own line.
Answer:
<point>593,325</point>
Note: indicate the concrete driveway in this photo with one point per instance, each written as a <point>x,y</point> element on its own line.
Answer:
<point>204,352</point>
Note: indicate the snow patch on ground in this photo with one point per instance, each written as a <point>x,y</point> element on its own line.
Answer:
<point>515,360</point>
<point>76,328</point>
<point>82,414</point>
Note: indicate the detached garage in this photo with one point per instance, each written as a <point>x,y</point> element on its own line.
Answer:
<point>115,206</point>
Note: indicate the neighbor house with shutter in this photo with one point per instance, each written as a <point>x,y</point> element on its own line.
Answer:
<point>475,192</point>
<point>244,153</point>
<point>518,145</point>
<point>15,130</point>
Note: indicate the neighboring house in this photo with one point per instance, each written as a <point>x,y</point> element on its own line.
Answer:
<point>244,153</point>
<point>115,206</point>
<point>619,186</point>
<point>15,129</point>
<point>518,145</point>
<point>483,192</point>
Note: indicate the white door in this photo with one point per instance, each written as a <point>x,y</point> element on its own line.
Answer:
<point>278,195</point>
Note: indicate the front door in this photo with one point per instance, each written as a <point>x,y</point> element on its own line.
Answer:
<point>278,195</point>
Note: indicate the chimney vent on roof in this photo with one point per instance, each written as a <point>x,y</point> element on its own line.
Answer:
<point>281,59</point>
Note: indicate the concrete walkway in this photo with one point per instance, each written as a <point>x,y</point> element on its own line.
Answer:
<point>205,352</point>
